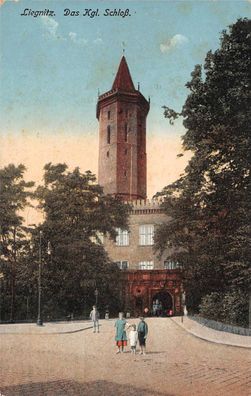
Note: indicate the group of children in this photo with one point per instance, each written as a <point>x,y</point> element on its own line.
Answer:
<point>137,334</point>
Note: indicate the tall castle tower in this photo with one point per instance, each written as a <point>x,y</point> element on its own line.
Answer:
<point>122,113</point>
<point>146,277</point>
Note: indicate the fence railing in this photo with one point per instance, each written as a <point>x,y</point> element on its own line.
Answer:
<point>222,326</point>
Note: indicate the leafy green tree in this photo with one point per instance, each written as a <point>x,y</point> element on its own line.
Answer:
<point>15,195</point>
<point>77,216</point>
<point>209,205</point>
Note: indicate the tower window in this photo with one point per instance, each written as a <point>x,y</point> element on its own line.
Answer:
<point>108,134</point>
<point>126,133</point>
<point>125,173</point>
<point>107,154</point>
<point>108,115</point>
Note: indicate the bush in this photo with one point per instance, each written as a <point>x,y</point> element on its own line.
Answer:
<point>230,307</point>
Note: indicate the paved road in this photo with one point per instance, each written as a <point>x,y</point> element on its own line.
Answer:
<point>84,363</point>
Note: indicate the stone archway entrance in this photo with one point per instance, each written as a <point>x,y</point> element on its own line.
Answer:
<point>162,303</point>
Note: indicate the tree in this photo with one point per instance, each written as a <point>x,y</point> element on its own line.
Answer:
<point>77,216</point>
<point>209,205</point>
<point>14,197</point>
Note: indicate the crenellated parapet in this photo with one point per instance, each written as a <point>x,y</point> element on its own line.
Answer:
<point>146,205</point>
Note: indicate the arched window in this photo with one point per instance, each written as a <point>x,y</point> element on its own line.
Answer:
<point>126,133</point>
<point>108,134</point>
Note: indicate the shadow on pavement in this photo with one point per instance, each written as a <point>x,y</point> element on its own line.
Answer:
<point>66,387</point>
<point>155,353</point>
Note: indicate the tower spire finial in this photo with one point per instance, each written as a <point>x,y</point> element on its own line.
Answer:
<point>123,49</point>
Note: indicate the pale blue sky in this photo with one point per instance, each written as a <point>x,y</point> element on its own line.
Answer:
<point>52,68</point>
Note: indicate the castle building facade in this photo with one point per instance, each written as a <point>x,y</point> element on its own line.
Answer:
<point>122,114</point>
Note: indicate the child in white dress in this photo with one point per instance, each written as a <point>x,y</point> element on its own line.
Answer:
<point>133,337</point>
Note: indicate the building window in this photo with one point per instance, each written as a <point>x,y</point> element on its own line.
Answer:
<point>146,233</point>
<point>126,133</point>
<point>146,265</point>
<point>98,238</point>
<point>125,173</point>
<point>123,265</point>
<point>108,115</point>
<point>108,134</point>
<point>122,238</point>
<point>169,264</point>
<point>107,154</point>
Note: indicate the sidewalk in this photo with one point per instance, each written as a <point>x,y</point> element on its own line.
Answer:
<point>47,328</point>
<point>211,335</point>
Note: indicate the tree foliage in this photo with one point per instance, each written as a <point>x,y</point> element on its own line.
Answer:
<point>210,204</point>
<point>77,216</point>
<point>15,195</point>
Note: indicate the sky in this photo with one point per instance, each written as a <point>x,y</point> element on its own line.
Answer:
<point>52,68</point>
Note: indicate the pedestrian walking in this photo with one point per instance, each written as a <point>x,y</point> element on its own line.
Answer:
<point>120,337</point>
<point>133,338</point>
<point>142,335</point>
<point>94,316</point>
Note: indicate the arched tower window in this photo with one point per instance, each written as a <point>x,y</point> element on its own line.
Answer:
<point>126,133</point>
<point>108,134</point>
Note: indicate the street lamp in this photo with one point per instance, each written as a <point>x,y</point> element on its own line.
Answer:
<point>96,295</point>
<point>39,319</point>
<point>183,304</point>
<point>1,291</point>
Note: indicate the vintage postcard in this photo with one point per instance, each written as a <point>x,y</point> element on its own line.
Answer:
<point>124,197</point>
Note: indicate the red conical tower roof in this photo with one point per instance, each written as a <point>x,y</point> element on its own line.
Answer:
<point>123,80</point>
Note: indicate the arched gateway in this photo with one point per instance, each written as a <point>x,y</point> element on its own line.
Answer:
<point>162,303</point>
<point>142,288</point>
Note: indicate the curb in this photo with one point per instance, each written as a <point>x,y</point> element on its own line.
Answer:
<point>209,339</point>
<point>48,333</point>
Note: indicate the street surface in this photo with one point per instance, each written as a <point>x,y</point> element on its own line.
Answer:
<point>84,363</point>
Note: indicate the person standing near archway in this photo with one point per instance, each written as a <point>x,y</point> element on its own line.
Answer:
<point>94,316</point>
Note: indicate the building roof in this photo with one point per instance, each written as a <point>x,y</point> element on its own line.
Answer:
<point>123,80</point>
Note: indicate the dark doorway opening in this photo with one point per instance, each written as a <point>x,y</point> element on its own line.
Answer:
<point>138,306</point>
<point>162,304</point>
